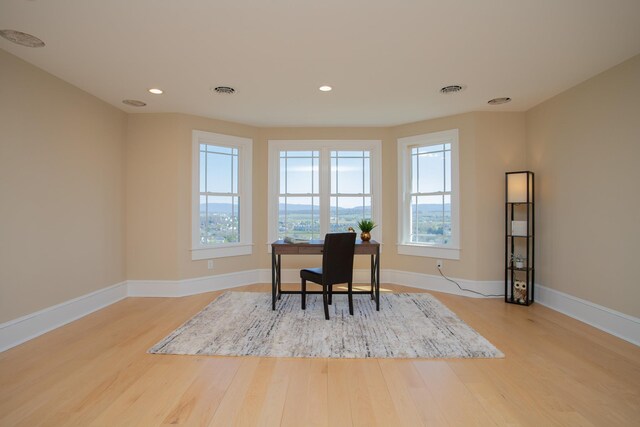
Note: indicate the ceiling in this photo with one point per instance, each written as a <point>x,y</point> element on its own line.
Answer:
<point>386,60</point>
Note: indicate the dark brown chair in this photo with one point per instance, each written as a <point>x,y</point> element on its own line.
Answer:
<point>337,267</point>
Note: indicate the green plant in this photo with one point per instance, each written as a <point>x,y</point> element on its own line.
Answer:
<point>366,225</point>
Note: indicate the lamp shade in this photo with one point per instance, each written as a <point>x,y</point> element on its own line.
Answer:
<point>517,188</point>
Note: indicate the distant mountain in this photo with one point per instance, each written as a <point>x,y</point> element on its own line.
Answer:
<point>226,208</point>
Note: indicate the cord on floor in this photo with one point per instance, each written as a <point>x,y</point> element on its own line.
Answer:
<point>468,290</point>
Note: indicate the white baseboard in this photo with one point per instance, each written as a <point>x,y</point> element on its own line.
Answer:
<point>438,283</point>
<point>416,280</point>
<point>181,288</point>
<point>613,322</point>
<point>17,331</point>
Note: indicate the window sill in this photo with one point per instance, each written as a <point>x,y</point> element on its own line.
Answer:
<point>235,249</point>
<point>429,251</point>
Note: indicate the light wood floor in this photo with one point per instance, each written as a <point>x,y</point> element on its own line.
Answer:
<point>95,371</point>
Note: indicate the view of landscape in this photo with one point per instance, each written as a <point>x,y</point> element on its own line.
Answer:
<point>220,225</point>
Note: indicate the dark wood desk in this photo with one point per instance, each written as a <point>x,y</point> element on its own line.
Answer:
<point>314,247</point>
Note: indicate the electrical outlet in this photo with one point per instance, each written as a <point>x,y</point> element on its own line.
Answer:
<point>439,263</point>
<point>210,264</point>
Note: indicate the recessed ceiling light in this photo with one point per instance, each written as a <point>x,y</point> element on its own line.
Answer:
<point>156,91</point>
<point>134,102</point>
<point>451,89</point>
<point>325,88</point>
<point>498,101</point>
<point>23,39</point>
<point>224,90</point>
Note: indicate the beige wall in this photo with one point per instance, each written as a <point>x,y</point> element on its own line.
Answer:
<point>584,146</point>
<point>490,144</point>
<point>159,197</point>
<point>61,191</point>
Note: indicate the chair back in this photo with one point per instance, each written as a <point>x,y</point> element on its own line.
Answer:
<point>337,258</point>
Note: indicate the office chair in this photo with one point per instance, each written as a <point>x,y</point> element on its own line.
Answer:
<point>337,267</point>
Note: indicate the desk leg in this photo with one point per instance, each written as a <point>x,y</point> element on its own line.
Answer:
<point>373,277</point>
<point>273,279</point>
<point>279,276</point>
<point>378,279</point>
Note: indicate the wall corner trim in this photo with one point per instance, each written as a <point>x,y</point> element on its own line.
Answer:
<point>610,321</point>
<point>25,328</point>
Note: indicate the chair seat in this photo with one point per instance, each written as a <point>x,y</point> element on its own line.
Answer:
<point>312,274</point>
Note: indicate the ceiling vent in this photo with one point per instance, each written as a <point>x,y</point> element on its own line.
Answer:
<point>224,89</point>
<point>451,89</point>
<point>134,103</point>
<point>498,101</point>
<point>23,39</point>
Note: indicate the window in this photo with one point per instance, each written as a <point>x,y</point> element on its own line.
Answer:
<point>428,205</point>
<point>322,186</point>
<point>221,211</point>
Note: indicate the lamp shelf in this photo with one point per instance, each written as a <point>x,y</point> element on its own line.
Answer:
<point>519,282</point>
<point>520,269</point>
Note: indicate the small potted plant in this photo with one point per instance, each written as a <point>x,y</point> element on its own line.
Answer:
<point>518,261</point>
<point>366,225</point>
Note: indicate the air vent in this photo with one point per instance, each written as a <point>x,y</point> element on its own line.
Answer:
<point>134,103</point>
<point>224,89</point>
<point>498,101</point>
<point>451,89</point>
<point>23,39</point>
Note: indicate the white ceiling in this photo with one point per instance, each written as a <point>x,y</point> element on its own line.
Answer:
<point>385,59</point>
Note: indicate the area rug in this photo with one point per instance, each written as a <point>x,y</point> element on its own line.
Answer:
<point>414,325</point>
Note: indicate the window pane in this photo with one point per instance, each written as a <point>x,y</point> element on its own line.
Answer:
<point>283,174</point>
<point>431,172</point>
<point>348,211</point>
<point>219,173</point>
<point>203,172</point>
<point>414,171</point>
<point>350,177</point>
<point>430,219</point>
<point>447,171</point>
<point>300,175</point>
<point>350,172</point>
<point>234,175</point>
<point>220,149</point>
<point>299,217</point>
<point>334,173</point>
<point>367,175</point>
<point>430,148</point>
<point>219,220</point>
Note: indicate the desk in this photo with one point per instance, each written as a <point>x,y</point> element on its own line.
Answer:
<point>314,247</point>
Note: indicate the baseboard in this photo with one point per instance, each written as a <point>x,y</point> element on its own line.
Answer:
<point>613,322</point>
<point>429,282</point>
<point>416,280</point>
<point>19,330</point>
<point>198,285</point>
<point>27,327</point>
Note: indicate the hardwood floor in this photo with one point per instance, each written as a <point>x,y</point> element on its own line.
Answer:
<point>95,371</point>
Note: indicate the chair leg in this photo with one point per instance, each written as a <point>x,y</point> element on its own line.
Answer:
<point>325,299</point>
<point>350,291</point>
<point>330,294</point>
<point>304,294</point>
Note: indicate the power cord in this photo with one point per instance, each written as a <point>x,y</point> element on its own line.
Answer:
<point>467,290</point>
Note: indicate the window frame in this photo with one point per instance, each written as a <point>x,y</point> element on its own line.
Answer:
<point>244,146</point>
<point>452,249</point>
<point>324,147</point>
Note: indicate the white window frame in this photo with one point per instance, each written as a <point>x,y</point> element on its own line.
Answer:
<point>452,249</point>
<point>200,251</point>
<point>324,147</point>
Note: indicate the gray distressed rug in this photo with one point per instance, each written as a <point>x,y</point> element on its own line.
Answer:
<point>407,326</point>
